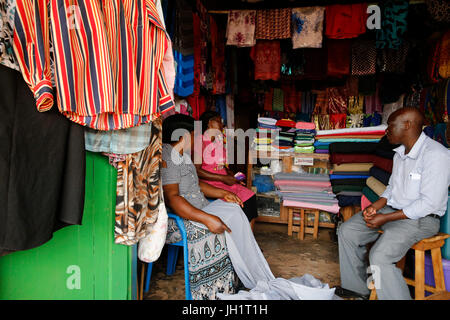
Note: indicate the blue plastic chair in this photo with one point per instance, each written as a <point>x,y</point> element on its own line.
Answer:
<point>172,256</point>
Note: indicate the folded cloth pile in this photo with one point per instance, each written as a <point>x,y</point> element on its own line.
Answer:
<point>284,141</point>
<point>380,173</point>
<point>265,134</point>
<point>352,162</point>
<point>325,137</point>
<point>304,137</point>
<point>306,190</point>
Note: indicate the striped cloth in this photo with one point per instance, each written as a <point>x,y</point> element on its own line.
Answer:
<point>108,57</point>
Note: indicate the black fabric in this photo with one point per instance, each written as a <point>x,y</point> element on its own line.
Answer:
<point>348,182</point>
<point>42,168</point>
<point>345,201</point>
<point>367,85</point>
<point>380,175</point>
<point>250,208</point>
<point>392,87</point>
<point>351,173</point>
<point>353,147</point>
<point>385,153</point>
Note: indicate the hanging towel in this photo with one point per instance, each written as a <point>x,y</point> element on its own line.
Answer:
<point>273,24</point>
<point>345,21</point>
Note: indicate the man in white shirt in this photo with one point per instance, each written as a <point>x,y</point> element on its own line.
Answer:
<point>407,212</point>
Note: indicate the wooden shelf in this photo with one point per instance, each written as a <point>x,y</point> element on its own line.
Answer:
<point>269,155</point>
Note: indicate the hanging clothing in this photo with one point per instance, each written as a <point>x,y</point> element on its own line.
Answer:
<point>42,168</point>
<point>273,24</point>
<point>337,100</point>
<point>241,28</point>
<point>183,36</point>
<point>351,86</point>
<point>356,104</point>
<point>393,60</point>
<point>266,56</point>
<point>123,141</point>
<point>439,10</point>
<point>345,21</point>
<point>444,56</point>
<point>307,27</point>
<point>138,191</point>
<point>278,100</point>
<point>121,82</point>
<point>7,12</point>
<point>184,80</point>
<point>394,14</point>
<point>217,57</point>
<point>338,121</point>
<point>364,57</point>
<point>292,98</point>
<point>339,54</point>
<point>373,103</point>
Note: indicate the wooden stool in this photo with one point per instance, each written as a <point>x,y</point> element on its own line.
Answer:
<point>303,224</point>
<point>439,292</point>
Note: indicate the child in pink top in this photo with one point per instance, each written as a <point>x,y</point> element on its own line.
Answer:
<point>214,170</point>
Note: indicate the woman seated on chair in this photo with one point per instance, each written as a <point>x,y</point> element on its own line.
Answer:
<point>214,170</point>
<point>210,268</point>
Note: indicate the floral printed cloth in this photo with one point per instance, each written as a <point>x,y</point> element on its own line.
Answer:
<point>241,28</point>
<point>307,27</point>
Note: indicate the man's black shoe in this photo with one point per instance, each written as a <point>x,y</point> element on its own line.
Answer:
<point>348,294</point>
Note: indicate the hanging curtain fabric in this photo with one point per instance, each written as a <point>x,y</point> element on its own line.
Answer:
<point>351,85</point>
<point>394,14</point>
<point>355,104</point>
<point>316,63</point>
<point>217,57</point>
<point>241,28</point>
<point>321,103</point>
<point>337,100</point>
<point>204,33</point>
<point>138,191</point>
<point>272,24</point>
<point>444,56</point>
<point>345,21</point>
<point>266,56</point>
<point>338,121</point>
<point>339,54</point>
<point>278,100</point>
<point>393,60</point>
<point>292,98</point>
<point>373,103</point>
<point>307,27</point>
<point>364,57</point>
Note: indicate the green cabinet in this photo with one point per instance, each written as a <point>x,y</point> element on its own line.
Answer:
<point>79,262</point>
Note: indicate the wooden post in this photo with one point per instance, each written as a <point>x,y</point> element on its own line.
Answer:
<point>290,220</point>
<point>301,234</point>
<point>316,224</point>
<point>420,275</point>
<point>439,279</point>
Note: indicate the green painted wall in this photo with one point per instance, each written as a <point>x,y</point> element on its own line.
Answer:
<point>106,270</point>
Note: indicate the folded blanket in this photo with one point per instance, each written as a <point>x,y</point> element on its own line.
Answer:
<point>383,163</point>
<point>339,158</point>
<point>298,149</point>
<point>357,148</point>
<point>377,186</point>
<point>340,188</point>
<point>267,121</point>
<point>300,204</point>
<point>370,194</point>
<point>352,136</point>
<point>352,167</point>
<point>348,182</point>
<point>345,201</point>
<point>301,176</point>
<point>305,125</point>
<point>347,140</point>
<point>323,151</point>
<point>352,173</point>
<point>344,176</point>
<point>349,193</point>
<point>321,184</point>
<point>380,175</point>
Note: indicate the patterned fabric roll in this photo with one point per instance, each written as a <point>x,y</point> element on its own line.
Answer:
<point>273,24</point>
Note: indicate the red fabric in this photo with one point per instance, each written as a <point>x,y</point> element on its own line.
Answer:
<point>197,54</point>
<point>315,64</point>
<point>383,163</point>
<point>365,202</point>
<point>292,98</point>
<point>345,21</point>
<point>217,56</point>
<point>198,105</point>
<point>339,54</point>
<point>338,121</point>
<point>266,56</point>
<point>337,100</point>
<point>286,123</point>
<point>339,158</point>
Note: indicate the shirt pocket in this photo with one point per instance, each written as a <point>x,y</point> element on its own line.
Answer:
<point>412,185</point>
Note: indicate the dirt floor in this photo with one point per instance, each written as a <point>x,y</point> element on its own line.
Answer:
<point>287,256</point>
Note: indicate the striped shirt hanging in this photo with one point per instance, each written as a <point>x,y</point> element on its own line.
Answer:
<point>107,59</point>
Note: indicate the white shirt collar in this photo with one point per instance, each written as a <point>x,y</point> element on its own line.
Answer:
<point>414,152</point>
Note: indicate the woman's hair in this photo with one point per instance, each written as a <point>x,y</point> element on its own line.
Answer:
<point>206,116</point>
<point>174,122</point>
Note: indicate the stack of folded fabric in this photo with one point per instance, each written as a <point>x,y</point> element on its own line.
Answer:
<point>305,190</point>
<point>380,173</point>
<point>325,137</point>
<point>351,165</point>
<point>304,137</point>
<point>265,134</point>
<point>284,141</point>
